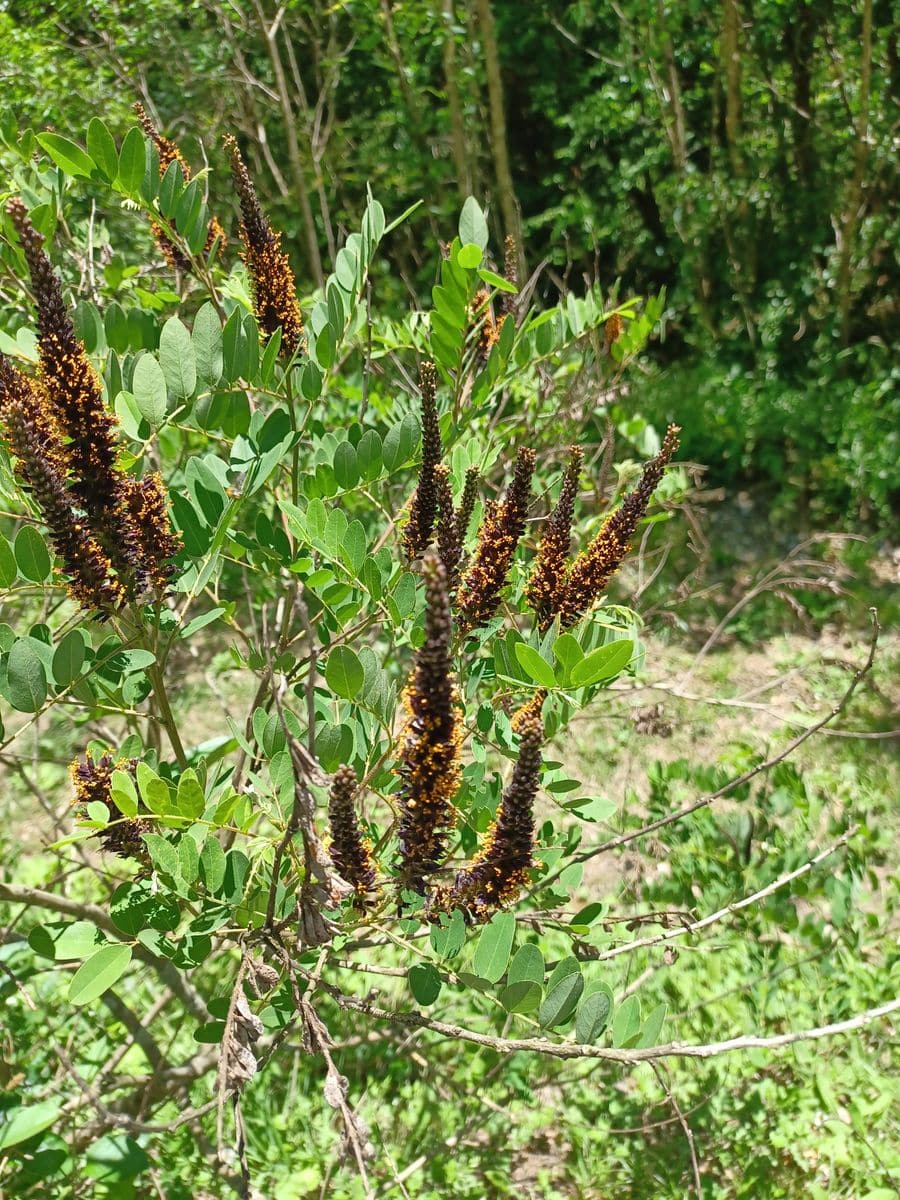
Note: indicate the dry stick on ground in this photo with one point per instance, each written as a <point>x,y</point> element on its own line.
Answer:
<point>334,1092</point>
<point>659,1072</point>
<point>693,926</point>
<point>726,789</point>
<point>783,574</point>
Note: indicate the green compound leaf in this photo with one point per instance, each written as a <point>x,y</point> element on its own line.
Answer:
<point>346,466</point>
<point>626,1024</point>
<point>527,966</point>
<point>449,935</point>
<point>68,156</point>
<point>20,1124</point>
<point>132,162</point>
<point>604,663</point>
<point>8,568</point>
<point>424,983</point>
<point>178,359</point>
<point>149,390</point>
<point>344,672</point>
<point>534,666</point>
<point>26,677</point>
<point>102,149</point>
<point>206,337</point>
<point>32,554</point>
<point>98,973</point>
<point>652,1027</point>
<point>472,224</point>
<point>521,997</point>
<point>561,1000</point>
<point>494,946</point>
<point>68,658</point>
<point>470,256</point>
<point>593,1014</point>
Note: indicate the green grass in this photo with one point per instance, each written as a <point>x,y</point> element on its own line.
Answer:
<point>813,1120</point>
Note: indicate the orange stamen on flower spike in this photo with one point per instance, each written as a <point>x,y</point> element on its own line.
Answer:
<point>351,852</point>
<point>500,870</point>
<point>93,782</point>
<point>531,710</point>
<point>423,507</point>
<point>148,507</point>
<point>170,152</point>
<point>503,526</point>
<point>272,280</point>
<point>595,566</point>
<point>488,328</point>
<point>75,395</point>
<point>33,437</point>
<point>547,583</point>
<point>430,758</point>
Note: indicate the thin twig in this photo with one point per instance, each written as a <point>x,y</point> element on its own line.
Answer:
<point>575,1050</point>
<point>739,780</point>
<point>658,1071</point>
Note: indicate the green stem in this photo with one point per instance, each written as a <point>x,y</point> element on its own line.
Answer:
<point>295,453</point>
<point>154,674</point>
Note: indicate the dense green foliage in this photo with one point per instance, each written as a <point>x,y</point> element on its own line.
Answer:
<point>194,1005</point>
<point>742,160</point>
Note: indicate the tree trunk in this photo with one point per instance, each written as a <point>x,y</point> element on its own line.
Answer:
<point>800,46</point>
<point>270,33</point>
<point>499,145</point>
<point>451,83</point>
<point>731,63</point>
<point>849,224</point>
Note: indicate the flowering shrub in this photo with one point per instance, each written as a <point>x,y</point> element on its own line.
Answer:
<point>393,541</point>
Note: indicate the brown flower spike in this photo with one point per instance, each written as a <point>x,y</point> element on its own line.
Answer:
<point>483,318</point>
<point>503,526</point>
<point>424,504</point>
<point>93,782</point>
<point>169,152</point>
<point>75,395</point>
<point>72,385</point>
<point>430,759</point>
<point>500,870</point>
<point>351,852</point>
<point>148,508</point>
<point>33,437</point>
<point>448,543</point>
<point>274,288</point>
<point>595,566</point>
<point>547,583</point>
<point>467,504</point>
<point>506,301</point>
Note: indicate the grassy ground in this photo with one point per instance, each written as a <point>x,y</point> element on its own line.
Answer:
<point>816,1120</point>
